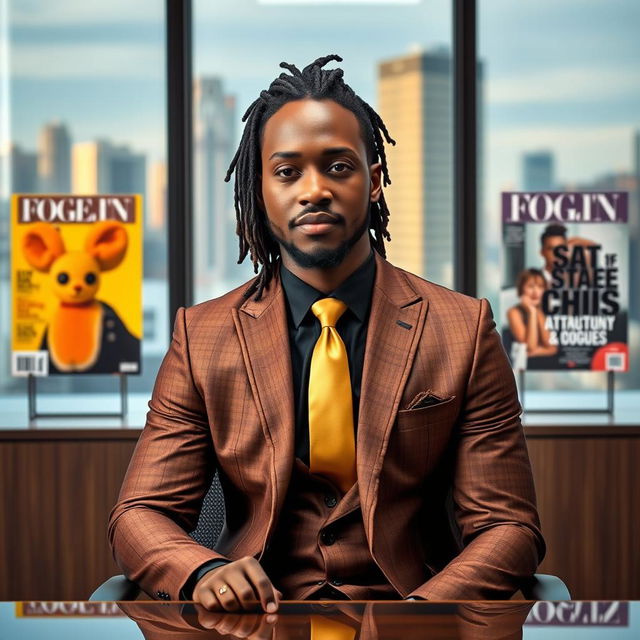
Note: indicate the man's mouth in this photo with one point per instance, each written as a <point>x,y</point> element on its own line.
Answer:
<point>316,218</point>
<point>318,228</point>
<point>317,223</point>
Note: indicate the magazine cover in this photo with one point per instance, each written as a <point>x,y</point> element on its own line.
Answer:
<point>76,282</point>
<point>565,283</point>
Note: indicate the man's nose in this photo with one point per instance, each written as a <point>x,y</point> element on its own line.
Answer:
<point>314,188</point>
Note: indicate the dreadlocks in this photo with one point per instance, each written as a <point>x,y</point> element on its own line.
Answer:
<point>316,83</point>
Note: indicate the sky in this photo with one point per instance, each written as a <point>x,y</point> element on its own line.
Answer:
<point>562,75</point>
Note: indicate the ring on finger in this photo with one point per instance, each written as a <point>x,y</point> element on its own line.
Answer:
<point>223,589</point>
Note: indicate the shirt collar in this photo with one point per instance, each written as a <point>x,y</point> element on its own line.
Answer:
<point>355,291</point>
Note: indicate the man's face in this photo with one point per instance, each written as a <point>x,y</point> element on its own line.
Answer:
<point>314,161</point>
<point>549,244</point>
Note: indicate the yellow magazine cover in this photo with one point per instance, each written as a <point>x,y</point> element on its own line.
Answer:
<point>76,282</point>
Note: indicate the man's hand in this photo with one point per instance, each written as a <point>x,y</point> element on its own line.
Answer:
<point>237,586</point>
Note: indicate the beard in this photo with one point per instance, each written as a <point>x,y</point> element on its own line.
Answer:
<point>322,257</point>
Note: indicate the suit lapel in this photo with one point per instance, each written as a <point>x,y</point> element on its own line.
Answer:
<point>395,325</point>
<point>263,333</point>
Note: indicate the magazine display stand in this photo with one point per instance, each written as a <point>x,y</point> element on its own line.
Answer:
<point>33,412</point>
<point>608,409</point>
<point>565,295</point>
<point>76,289</point>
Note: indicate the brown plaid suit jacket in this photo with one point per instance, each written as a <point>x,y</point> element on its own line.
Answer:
<point>445,488</point>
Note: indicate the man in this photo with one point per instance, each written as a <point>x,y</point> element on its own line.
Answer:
<point>553,236</point>
<point>364,422</point>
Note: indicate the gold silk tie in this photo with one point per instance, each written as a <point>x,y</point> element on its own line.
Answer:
<point>332,447</point>
<point>324,628</point>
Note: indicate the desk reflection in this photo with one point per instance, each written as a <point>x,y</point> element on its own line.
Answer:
<point>335,621</point>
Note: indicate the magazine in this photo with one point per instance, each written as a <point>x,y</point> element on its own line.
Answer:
<point>564,299</point>
<point>76,272</point>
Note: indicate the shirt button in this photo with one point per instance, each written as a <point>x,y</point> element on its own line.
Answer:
<point>328,537</point>
<point>330,501</point>
<point>336,582</point>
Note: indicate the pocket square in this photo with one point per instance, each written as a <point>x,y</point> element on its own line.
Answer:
<point>426,399</point>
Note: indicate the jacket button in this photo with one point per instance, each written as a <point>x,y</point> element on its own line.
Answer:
<point>330,501</point>
<point>328,537</point>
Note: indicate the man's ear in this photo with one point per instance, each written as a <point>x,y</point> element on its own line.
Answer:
<point>375,171</point>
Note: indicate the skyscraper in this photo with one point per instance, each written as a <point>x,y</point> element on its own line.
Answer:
<point>415,100</point>
<point>54,159</point>
<point>89,167</point>
<point>215,240</point>
<point>101,167</point>
<point>128,172</point>
<point>24,170</point>
<point>537,171</point>
<point>155,232</point>
<point>157,200</point>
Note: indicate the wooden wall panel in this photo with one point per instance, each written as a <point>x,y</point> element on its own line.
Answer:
<point>589,502</point>
<point>57,488</point>
<point>56,499</point>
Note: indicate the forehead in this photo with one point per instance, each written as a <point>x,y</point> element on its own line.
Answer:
<point>554,241</point>
<point>303,125</point>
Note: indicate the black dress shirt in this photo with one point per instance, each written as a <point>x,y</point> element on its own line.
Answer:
<point>304,331</point>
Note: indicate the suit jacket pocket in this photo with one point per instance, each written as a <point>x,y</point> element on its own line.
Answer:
<point>445,410</point>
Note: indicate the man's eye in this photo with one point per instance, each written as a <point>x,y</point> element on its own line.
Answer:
<point>282,174</point>
<point>341,167</point>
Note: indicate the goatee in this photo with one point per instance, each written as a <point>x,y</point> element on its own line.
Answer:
<point>321,258</point>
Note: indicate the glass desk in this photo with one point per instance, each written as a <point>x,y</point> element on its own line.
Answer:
<point>353,620</point>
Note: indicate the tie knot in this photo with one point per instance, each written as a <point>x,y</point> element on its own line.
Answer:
<point>328,311</point>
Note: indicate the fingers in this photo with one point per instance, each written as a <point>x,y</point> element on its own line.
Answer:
<point>268,595</point>
<point>237,586</point>
<point>231,592</point>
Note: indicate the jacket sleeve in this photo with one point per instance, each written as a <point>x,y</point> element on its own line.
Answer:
<point>493,492</point>
<point>168,476</point>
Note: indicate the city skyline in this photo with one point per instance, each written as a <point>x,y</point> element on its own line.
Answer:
<point>542,84</point>
<point>217,271</point>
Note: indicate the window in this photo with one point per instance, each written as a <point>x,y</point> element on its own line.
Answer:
<point>83,111</point>
<point>562,103</point>
<point>396,56</point>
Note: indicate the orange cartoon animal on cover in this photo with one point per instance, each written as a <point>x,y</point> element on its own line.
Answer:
<point>84,334</point>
